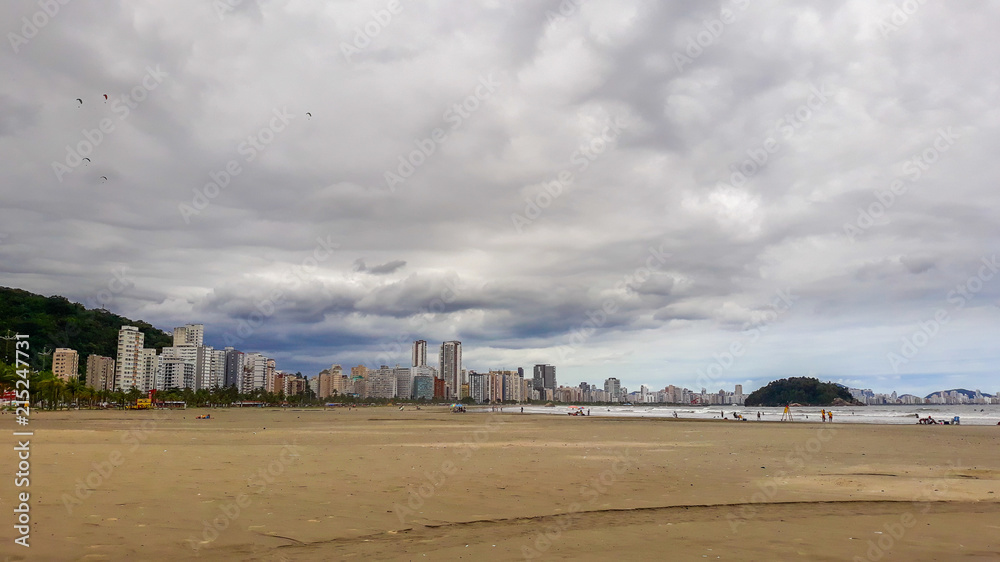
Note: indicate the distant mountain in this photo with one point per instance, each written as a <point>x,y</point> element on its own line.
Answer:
<point>800,390</point>
<point>966,392</point>
<point>53,322</point>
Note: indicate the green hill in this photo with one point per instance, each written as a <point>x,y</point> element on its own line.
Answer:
<point>800,390</point>
<point>53,322</point>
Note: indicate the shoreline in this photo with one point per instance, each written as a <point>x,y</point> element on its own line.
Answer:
<point>801,416</point>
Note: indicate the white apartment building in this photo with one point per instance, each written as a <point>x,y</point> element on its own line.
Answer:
<point>210,370</point>
<point>254,372</point>
<point>381,383</point>
<point>149,364</point>
<point>127,364</point>
<point>175,373</point>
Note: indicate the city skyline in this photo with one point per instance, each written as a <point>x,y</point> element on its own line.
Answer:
<point>192,364</point>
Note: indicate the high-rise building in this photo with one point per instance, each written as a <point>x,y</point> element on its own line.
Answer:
<point>66,363</point>
<point>270,372</point>
<point>404,381</point>
<point>423,387</point>
<point>254,372</point>
<point>149,367</point>
<point>100,372</point>
<point>479,387</point>
<point>210,369</point>
<point>175,373</point>
<point>191,334</point>
<point>547,375</point>
<point>185,353</point>
<point>495,387</point>
<point>234,367</point>
<point>127,363</point>
<point>450,360</point>
<point>613,387</point>
<point>381,383</point>
<point>419,354</point>
<point>504,386</point>
<point>331,382</point>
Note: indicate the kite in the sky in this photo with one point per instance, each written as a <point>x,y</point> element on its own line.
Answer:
<point>105,98</point>
<point>105,178</point>
<point>79,101</point>
<point>87,159</point>
<point>309,114</point>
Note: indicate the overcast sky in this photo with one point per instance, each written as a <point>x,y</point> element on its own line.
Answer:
<point>627,188</point>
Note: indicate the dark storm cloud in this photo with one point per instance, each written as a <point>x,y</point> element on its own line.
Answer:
<point>380,269</point>
<point>764,147</point>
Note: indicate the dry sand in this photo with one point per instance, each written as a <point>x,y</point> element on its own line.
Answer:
<point>501,487</point>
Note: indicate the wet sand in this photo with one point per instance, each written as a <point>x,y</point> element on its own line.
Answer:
<point>381,484</point>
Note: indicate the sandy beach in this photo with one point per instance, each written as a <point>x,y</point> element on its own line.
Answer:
<point>384,484</point>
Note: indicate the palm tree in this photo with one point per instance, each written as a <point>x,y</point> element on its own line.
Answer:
<point>132,395</point>
<point>88,395</point>
<point>117,397</point>
<point>73,388</point>
<point>8,376</point>
<point>49,388</point>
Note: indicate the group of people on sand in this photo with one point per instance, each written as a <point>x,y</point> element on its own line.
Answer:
<point>826,414</point>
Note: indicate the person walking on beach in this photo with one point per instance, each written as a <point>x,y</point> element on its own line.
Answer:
<point>830,415</point>
<point>758,416</point>
<point>822,414</point>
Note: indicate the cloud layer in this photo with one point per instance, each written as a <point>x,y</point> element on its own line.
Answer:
<point>622,189</point>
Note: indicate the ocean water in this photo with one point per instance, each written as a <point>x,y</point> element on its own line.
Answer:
<point>901,414</point>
